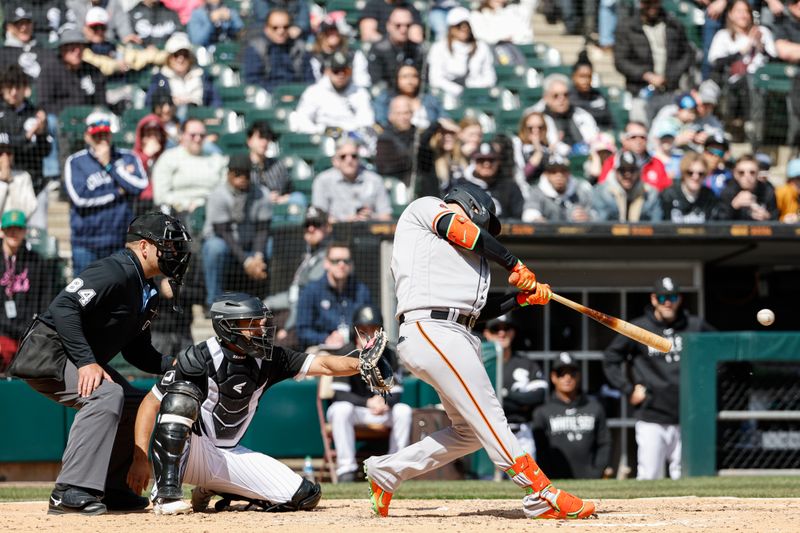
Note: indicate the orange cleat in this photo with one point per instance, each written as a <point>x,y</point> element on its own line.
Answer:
<point>555,504</point>
<point>380,498</point>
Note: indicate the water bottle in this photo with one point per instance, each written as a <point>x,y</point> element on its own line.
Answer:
<point>308,469</point>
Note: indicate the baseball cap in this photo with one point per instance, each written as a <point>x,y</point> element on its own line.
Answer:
<point>564,360</point>
<point>18,11</point>
<point>177,42</point>
<point>367,315</point>
<point>240,164</point>
<point>556,161</point>
<point>98,122</point>
<point>685,101</point>
<point>708,92</point>
<point>668,129</point>
<point>339,60</point>
<point>457,15</point>
<point>764,161</point>
<point>71,35</point>
<point>793,169</point>
<point>502,320</point>
<point>716,137</point>
<point>14,218</point>
<point>627,159</point>
<point>96,16</point>
<point>666,285</point>
<point>485,151</point>
<point>5,139</point>
<point>316,216</point>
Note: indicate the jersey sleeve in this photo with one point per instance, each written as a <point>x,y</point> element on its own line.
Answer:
<point>290,364</point>
<point>427,212</point>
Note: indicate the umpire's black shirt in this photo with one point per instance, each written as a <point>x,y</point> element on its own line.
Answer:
<point>107,310</point>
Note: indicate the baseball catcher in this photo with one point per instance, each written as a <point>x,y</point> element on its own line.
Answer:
<point>202,407</point>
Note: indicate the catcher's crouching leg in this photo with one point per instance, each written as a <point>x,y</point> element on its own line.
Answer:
<point>305,498</point>
<point>179,410</point>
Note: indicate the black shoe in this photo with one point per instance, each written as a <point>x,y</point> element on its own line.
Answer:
<point>124,500</point>
<point>347,477</point>
<point>67,499</point>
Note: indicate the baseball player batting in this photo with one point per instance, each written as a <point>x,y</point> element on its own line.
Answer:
<point>440,264</point>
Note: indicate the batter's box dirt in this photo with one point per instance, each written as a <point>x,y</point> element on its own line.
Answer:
<point>664,515</point>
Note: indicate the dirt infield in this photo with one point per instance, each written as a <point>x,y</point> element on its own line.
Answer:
<point>689,514</point>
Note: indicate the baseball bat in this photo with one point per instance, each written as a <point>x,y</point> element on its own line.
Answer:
<point>631,331</point>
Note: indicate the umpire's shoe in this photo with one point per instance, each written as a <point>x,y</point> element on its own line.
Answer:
<point>68,499</point>
<point>124,500</point>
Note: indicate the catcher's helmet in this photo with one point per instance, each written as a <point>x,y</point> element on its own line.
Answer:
<point>226,312</point>
<point>170,238</point>
<point>477,204</point>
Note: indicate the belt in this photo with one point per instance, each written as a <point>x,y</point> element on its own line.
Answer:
<point>468,321</point>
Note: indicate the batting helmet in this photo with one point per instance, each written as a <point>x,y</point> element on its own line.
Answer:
<point>477,204</point>
<point>171,239</point>
<point>253,338</point>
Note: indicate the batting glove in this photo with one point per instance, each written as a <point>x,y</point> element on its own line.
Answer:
<point>540,296</point>
<point>522,278</point>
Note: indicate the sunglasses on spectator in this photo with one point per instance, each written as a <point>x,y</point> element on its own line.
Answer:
<point>559,95</point>
<point>486,161</point>
<point>342,157</point>
<point>536,127</point>
<point>282,27</point>
<point>695,172</point>
<point>196,135</point>
<point>716,151</point>
<point>746,172</point>
<point>635,136</point>
<point>340,261</point>
<point>497,329</point>
<point>97,28</point>
<point>401,25</point>
<point>663,298</point>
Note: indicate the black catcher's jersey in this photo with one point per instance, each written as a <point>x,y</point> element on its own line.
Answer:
<point>232,385</point>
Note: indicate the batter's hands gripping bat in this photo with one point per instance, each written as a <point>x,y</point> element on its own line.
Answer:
<point>636,333</point>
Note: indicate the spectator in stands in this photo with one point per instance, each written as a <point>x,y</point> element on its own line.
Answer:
<point>334,101</point>
<point>715,152</point>
<point>20,46</point>
<point>164,108</point>
<point>149,143</point>
<point>558,196</point>
<point>745,197</point>
<point>297,9</point>
<point>183,8</point>
<point>652,384</point>
<point>26,125</point>
<point>485,173</point>
<point>188,84</point>
<point>707,98</point>
<point>238,213</point>
<point>601,149</point>
<point>787,33</point>
<point>460,61</point>
<point>348,191</point>
<point>688,201</point>
<point>184,176</point>
<point>269,171</point>
<point>273,58</point>
<point>16,187</point>
<point>331,38</point>
<point>154,23</point>
<point>213,22</point>
<point>586,97</point>
<point>375,15</point>
<point>787,196</point>
<point>440,162</point>
<point>325,308</point>
<point>524,386</point>
<point>355,404</point>
<point>497,21</point>
<point>532,144</point>
<point>27,282</point>
<point>317,229</point>
<point>119,25</point>
<point>634,140</point>
<point>624,196</point>
<point>47,16</point>
<point>426,108</point>
<point>100,180</point>
<point>572,437</point>
<point>573,126</point>
<point>395,150</point>
<point>666,152</point>
<point>172,332</point>
<point>437,17</point>
<point>652,52</point>
<point>67,80</point>
<point>394,50</point>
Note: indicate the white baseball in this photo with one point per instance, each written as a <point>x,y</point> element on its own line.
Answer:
<point>766,317</point>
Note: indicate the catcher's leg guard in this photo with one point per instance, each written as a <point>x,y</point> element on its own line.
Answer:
<point>179,410</point>
<point>305,498</point>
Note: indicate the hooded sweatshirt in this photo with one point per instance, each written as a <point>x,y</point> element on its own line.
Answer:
<point>148,161</point>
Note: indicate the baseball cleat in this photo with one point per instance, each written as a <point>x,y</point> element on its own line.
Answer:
<point>551,503</point>
<point>67,499</point>
<point>201,497</point>
<point>171,507</point>
<point>378,497</point>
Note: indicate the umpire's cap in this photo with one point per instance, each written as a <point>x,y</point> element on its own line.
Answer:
<point>367,315</point>
<point>477,204</point>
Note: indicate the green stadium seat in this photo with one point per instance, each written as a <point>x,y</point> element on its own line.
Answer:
<point>301,174</point>
<point>233,143</point>
<point>223,75</point>
<point>124,138</point>
<point>306,147</point>
<point>131,117</point>
<point>287,215</point>
<point>218,119</point>
<point>576,165</point>
<point>529,96</point>
<point>288,95</point>
<point>42,243</point>
<point>276,117</point>
<point>775,77</point>
<point>227,53</point>
<point>516,77</point>
<point>507,120</point>
<point>352,9</point>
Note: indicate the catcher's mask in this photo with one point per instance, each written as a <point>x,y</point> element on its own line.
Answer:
<point>170,238</point>
<point>477,204</point>
<point>253,337</point>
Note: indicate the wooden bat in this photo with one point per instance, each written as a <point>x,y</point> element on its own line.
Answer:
<point>620,326</point>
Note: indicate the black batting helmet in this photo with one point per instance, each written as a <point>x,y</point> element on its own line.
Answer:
<point>226,312</point>
<point>477,204</point>
<point>171,239</point>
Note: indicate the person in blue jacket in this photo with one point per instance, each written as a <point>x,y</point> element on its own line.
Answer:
<point>273,58</point>
<point>212,22</point>
<point>326,306</point>
<point>100,180</point>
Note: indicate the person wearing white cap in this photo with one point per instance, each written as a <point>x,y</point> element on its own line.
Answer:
<point>788,194</point>
<point>459,60</point>
<point>119,25</point>
<point>187,83</point>
<point>498,21</point>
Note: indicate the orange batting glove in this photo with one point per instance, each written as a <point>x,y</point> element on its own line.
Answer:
<point>540,296</point>
<point>522,278</point>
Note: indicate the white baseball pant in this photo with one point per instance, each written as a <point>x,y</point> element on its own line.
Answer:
<point>657,444</point>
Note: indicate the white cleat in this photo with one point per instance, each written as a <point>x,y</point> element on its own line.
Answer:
<point>201,497</point>
<point>171,507</point>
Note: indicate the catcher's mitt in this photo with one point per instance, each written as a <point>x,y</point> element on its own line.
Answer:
<point>375,370</point>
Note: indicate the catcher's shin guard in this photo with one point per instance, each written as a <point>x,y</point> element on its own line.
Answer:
<point>179,410</point>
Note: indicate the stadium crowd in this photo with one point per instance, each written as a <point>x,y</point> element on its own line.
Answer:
<point>238,114</point>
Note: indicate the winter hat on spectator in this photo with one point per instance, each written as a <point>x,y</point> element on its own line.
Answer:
<point>457,15</point>
<point>71,35</point>
<point>96,16</point>
<point>18,11</point>
<point>764,161</point>
<point>564,360</point>
<point>13,218</point>
<point>177,42</point>
<point>98,122</point>
<point>708,92</point>
<point>240,165</point>
<point>793,169</point>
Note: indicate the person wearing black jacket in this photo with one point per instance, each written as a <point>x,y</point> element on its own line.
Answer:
<point>571,433</point>
<point>485,172</point>
<point>745,197</point>
<point>653,388</point>
<point>64,355</point>
<point>395,148</point>
<point>583,95</point>
<point>688,201</point>
<point>394,50</point>
<point>354,404</point>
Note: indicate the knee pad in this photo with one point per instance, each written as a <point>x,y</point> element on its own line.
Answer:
<point>305,498</point>
<point>182,400</point>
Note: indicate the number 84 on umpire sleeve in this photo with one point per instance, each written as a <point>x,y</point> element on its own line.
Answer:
<point>84,295</point>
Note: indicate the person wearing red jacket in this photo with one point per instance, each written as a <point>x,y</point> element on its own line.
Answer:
<point>634,139</point>
<point>150,143</point>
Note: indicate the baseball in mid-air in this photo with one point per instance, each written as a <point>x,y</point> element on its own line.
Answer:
<point>766,317</point>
